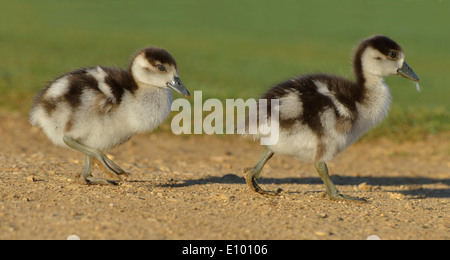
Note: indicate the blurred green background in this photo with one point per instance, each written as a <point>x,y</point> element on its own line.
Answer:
<point>231,49</point>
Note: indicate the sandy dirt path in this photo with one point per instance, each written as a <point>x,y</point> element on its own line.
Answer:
<point>192,187</point>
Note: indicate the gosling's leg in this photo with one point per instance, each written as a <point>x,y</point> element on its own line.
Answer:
<point>253,173</point>
<point>332,191</point>
<point>90,153</point>
<point>86,177</point>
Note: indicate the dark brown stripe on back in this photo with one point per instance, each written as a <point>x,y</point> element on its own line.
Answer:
<point>119,80</point>
<point>313,102</point>
<point>78,81</point>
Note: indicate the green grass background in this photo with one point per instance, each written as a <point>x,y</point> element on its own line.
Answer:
<point>231,49</point>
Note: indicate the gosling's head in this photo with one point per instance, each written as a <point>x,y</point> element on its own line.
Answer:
<point>155,67</point>
<point>381,56</point>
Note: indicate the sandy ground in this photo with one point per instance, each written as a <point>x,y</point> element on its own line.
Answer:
<point>192,187</point>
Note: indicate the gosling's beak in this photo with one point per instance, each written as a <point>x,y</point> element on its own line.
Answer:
<point>178,86</point>
<point>406,72</point>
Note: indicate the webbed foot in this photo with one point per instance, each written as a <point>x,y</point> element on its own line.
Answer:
<point>250,178</point>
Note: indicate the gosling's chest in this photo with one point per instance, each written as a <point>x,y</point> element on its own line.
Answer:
<point>149,109</point>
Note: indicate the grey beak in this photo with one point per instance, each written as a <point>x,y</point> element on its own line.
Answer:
<point>178,86</point>
<point>406,72</point>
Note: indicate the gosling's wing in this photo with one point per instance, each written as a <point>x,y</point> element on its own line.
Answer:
<point>96,89</point>
<point>311,100</point>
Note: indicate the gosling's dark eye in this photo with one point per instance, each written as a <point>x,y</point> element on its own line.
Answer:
<point>392,54</point>
<point>161,67</point>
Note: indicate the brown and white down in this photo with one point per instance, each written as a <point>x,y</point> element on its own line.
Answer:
<point>95,109</point>
<point>320,115</point>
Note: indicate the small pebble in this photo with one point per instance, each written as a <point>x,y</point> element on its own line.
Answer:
<point>321,233</point>
<point>364,187</point>
<point>322,215</point>
<point>397,196</point>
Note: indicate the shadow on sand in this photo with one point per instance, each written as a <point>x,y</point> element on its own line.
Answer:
<point>338,180</point>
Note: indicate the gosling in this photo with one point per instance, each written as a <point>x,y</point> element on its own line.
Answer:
<point>95,109</point>
<point>320,115</point>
